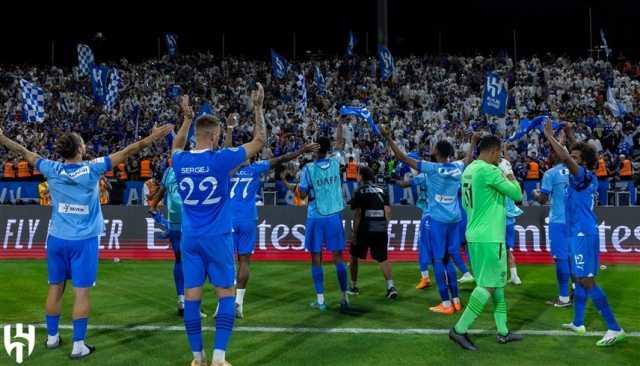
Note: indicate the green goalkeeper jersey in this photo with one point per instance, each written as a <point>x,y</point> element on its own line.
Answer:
<point>484,188</point>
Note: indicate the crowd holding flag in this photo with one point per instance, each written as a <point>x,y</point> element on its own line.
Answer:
<point>112,90</point>
<point>279,65</point>
<point>321,85</point>
<point>537,123</point>
<point>387,66</point>
<point>607,50</point>
<point>32,102</point>
<point>99,84</point>
<point>301,103</point>
<point>361,112</point>
<point>85,59</point>
<point>494,98</point>
<point>351,43</point>
<point>616,108</point>
<point>171,43</point>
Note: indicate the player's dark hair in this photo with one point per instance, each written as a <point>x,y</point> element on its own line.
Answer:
<point>325,144</point>
<point>366,174</point>
<point>489,142</point>
<point>68,144</point>
<point>445,149</point>
<point>206,122</point>
<point>588,154</point>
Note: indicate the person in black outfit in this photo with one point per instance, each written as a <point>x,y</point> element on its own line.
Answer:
<point>371,212</point>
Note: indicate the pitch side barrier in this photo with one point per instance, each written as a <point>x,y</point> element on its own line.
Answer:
<point>131,234</point>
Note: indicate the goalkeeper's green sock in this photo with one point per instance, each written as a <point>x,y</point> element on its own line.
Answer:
<point>500,311</point>
<point>479,298</point>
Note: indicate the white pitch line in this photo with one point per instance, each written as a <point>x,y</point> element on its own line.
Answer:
<point>401,331</point>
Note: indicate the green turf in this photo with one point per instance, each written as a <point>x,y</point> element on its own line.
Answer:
<point>140,293</point>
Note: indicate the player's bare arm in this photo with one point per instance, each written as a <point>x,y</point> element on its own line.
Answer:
<point>396,150</point>
<point>468,159</point>
<point>187,118</point>
<point>560,150</point>
<point>11,145</point>
<point>156,134</point>
<point>232,123</point>
<point>311,147</point>
<point>259,130</point>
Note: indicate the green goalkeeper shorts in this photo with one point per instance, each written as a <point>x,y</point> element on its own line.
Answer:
<point>489,264</point>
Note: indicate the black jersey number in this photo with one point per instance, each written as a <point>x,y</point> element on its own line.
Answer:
<point>467,195</point>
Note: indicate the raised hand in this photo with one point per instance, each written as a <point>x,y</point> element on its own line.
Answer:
<point>257,96</point>
<point>548,128</point>
<point>233,120</point>
<point>185,106</point>
<point>310,147</point>
<point>159,132</point>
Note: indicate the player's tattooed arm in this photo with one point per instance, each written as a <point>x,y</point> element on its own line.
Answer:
<point>232,123</point>
<point>468,159</point>
<point>156,198</point>
<point>187,117</point>
<point>156,134</point>
<point>396,150</point>
<point>311,147</point>
<point>11,145</point>
<point>569,135</point>
<point>259,130</point>
<point>560,150</point>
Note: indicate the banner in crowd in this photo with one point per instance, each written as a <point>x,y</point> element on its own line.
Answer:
<point>494,98</point>
<point>131,234</point>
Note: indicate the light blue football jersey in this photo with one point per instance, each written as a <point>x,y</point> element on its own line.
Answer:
<point>444,183</point>
<point>554,184</point>
<point>75,197</point>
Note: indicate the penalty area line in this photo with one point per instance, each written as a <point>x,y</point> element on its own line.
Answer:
<point>264,329</point>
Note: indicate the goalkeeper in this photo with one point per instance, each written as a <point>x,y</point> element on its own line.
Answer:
<point>484,188</point>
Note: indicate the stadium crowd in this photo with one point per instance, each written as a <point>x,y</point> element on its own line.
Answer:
<point>427,99</point>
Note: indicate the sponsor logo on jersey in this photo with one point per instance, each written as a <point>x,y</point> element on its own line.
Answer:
<point>70,208</point>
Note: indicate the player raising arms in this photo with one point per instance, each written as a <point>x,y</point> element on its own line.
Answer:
<point>554,185</point>
<point>484,188</point>
<point>583,235</point>
<point>76,226</point>
<point>203,177</point>
<point>442,195</point>
<point>321,182</point>
<point>245,185</point>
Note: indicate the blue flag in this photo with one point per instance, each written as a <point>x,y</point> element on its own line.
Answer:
<point>172,44</point>
<point>494,99</point>
<point>351,43</point>
<point>279,65</point>
<point>363,113</point>
<point>386,62</point>
<point>617,109</point>
<point>607,50</point>
<point>112,90</point>
<point>319,80</point>
<point>527,126</point>
<point>301,103</point>
<point>32,102</point>
<point>205,108</point>
<point>99,83</point>
<point>85,59</point>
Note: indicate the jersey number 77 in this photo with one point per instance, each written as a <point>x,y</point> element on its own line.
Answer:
<point>245,191</point>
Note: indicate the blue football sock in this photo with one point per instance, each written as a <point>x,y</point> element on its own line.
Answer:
<point>602,304</point>
<point>52,324</point>
<point>318,278</point>
<point>341,271</point>
<point>457,259</point>
<point>451,279</point>
<point>80,329</point>
<point>441,279</point>
<point>224,322</point>
<point>192,324</point>
<point>178,278</point>
<point>579,305</point>
<point>562,274</point>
